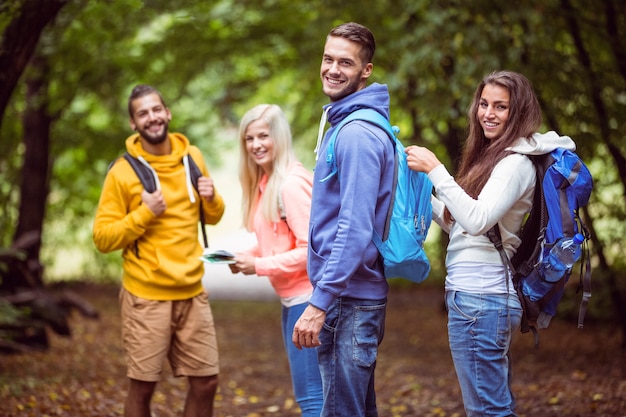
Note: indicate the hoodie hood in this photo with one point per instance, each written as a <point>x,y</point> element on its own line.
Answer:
<point>164,163</point>
<point>543,143</point>
<point>375,96</point>
<point>180,146</point>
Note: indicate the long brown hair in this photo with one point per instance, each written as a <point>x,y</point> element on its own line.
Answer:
<point>480,155</point>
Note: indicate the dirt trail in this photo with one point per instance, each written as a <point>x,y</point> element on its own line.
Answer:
<point>574,373</point>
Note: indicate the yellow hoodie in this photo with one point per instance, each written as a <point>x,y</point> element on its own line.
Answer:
<point>160,253</point>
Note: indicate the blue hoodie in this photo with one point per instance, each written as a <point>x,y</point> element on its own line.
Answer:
<point>342,259</point>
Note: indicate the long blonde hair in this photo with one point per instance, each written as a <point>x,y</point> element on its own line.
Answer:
<point>250,173</point>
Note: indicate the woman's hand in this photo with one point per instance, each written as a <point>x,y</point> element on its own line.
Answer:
<point>421,159</point>
<point>244,264</point>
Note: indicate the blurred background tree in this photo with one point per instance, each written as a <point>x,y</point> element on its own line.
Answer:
<point>67,67</point>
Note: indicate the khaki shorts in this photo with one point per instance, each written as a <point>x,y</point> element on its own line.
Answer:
<point>182,330</point>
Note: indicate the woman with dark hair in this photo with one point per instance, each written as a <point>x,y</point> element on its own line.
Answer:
<point>494,185</point>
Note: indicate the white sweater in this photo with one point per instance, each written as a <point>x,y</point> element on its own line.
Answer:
<point>505,199</point>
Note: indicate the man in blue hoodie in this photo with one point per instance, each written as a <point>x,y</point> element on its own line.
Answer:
<point>345,318</point>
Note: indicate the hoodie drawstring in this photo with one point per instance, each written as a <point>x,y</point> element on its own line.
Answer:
<point>320,132</point>
<point>154,174</point>
<point>192,196</point>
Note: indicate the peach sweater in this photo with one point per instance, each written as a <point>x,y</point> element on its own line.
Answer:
<point>281,248</point>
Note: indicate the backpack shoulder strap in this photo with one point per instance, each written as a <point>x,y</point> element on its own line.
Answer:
<point>531,236</point>
<point>368,115</point>
<point>195,173</point>
<point>534,228</point>
<point>495,237</point>
<point>143,172</point>
<point>147,178</point>
<point>281,207</point>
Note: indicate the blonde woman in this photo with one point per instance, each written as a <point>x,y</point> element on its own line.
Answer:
<point>276,204</point>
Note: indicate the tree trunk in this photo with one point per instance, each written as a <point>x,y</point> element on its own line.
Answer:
<point>19,41</point>
<point>35,171</point>
<point>594,92</point>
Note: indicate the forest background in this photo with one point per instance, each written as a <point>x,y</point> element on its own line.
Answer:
<point>67,67</point>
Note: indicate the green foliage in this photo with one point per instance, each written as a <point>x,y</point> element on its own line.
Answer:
<point>10,315</point>
<point>214,60</point>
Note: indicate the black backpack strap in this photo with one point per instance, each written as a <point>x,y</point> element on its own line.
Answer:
<point>586,285</point>
<point>143,173</point>
<point>585,273</point>
<point>534,228</point>
<point>148,181</point>
<point>495,237</point>
<point>146,177</point>
<point>195,173</point>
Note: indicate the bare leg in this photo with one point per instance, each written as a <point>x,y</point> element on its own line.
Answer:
<point>138,398</point>
<point>200,396</point>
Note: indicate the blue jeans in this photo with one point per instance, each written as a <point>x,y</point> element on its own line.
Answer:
<point>480,327</point>
<point>305,372</point>
<point>350,337</point>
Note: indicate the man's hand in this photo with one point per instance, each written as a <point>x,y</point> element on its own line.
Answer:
<point>308,327</point>
<point>154,201</point>
<point>206,189</point>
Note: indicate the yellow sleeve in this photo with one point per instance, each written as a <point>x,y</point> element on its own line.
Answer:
<point>120,217</point>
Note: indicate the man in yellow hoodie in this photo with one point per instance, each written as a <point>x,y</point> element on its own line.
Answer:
<point>165,311</point>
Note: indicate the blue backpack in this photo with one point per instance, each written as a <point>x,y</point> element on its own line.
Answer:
<point>410,212</point>
<point>563,185</point>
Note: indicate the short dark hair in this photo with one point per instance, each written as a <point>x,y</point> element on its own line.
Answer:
<point>141,90</point>
<point>359,34</point>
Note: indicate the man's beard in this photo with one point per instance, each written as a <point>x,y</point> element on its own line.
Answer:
<point>154,139</point>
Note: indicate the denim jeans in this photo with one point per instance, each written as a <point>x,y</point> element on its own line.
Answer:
<point>480,327</point>
<point>305,371</point>
<point>350,337</point>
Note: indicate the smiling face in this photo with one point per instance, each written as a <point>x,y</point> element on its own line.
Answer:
<point>343,71</point>
<point>260,144</point>
<point>493,111</point>
<point>150,118</point>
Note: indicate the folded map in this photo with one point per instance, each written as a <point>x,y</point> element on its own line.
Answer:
<point>218,256</point>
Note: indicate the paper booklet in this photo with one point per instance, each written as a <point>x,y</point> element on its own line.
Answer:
<point>218,256</point>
